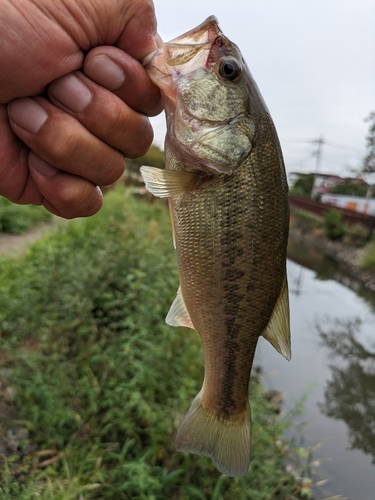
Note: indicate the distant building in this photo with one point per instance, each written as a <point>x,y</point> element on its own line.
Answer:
<point>355,203</point>
<point>323,183</point>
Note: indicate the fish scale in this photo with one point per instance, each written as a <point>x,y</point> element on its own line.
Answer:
<point>228,193</point>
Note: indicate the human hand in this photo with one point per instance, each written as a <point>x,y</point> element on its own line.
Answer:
<point>58,146</point>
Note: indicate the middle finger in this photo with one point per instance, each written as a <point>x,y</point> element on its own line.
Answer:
<point>102,113</point>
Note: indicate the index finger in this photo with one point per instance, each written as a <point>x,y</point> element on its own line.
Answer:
<point>102,65</point>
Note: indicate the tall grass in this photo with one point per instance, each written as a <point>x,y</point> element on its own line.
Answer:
<point>369,256</point>
<point>17,219</point>
<point>94,383</point>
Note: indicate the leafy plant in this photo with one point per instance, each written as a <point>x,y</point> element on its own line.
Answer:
<point>154,157</point>
<point>333,225</point>
<point>97,382</point>
<point>303,186</point>
<point>19,218</point>
<point>369,256</point>
<point>304,220</point>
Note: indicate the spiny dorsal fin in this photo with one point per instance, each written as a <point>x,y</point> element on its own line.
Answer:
<point>178,314</point>
<point>164,183</point>
<point>277,331</point>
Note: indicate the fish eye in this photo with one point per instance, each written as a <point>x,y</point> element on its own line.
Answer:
<point>230,69</point>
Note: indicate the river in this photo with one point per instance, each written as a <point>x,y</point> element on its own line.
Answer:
<point>333,363</point>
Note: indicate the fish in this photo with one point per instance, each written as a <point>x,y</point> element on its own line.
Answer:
<point>225,181</point>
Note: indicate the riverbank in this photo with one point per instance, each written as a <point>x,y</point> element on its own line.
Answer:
<point>94,383</point>
<point>348,256</point>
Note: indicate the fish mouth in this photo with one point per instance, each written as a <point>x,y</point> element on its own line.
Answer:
<point>194,39</point>
<point>185,54</point>
<point>206,32</point>
<point>193,49</point>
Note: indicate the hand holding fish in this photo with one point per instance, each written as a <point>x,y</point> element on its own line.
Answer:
<point>226,184</point>
<point>74,98</point>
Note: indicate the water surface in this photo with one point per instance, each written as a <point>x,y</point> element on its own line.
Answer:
<point>333,356</point>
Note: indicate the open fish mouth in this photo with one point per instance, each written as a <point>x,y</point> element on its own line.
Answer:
<point>187,53</point>
<point>188,44</point>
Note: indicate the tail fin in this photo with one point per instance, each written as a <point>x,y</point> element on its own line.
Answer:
<point>225,440</point>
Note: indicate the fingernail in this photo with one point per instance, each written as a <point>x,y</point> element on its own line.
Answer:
<point>27,113</point>
<point>106,72</point>
<point>71,92</point>
<point>41,166</point>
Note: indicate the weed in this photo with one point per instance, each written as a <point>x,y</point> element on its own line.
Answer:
<point>100,382</point>
<point>20,218</point>
<point>333,225</point>
<point>369,257</point>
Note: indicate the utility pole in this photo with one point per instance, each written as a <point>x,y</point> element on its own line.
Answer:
<point>318,155</point>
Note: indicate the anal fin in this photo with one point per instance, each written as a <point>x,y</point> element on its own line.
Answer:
<point>178,314</point>
<point>277,331</point>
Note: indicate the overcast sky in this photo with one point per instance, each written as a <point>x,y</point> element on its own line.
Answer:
<point>314,62</point>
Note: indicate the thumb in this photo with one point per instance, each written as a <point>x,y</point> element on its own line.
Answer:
<point>139,37</point>
<point>56,35</point>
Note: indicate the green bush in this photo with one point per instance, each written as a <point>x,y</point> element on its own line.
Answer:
<point>306,221</point>
<point>154,157</point>
<point>303,186</point>
<point>100,382</point>
<point>333,225</point>
<point>356,235</point>
<point>369,256</point>
<point>20,218</point>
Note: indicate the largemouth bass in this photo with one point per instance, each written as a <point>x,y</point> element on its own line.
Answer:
<point>226,183</point>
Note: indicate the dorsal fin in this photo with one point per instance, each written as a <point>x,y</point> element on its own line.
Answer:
<point>277,331</point>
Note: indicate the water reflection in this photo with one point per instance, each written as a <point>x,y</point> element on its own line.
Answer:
<point>350,394</point>
<point>340,368</point>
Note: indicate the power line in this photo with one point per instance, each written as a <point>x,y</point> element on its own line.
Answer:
<point>314,141</point>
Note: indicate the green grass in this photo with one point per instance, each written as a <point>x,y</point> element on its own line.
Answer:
<point>333,225</point>
<point>18,219</point>
<point>304,220</point>
<point>369,256</point>
<point>94,383</point>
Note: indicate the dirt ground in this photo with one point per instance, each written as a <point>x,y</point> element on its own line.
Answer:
<point>14,244</point>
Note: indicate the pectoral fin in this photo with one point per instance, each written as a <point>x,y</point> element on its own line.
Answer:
<point>178,314</point>
<point>277,331</point>
<point>164,183</point>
